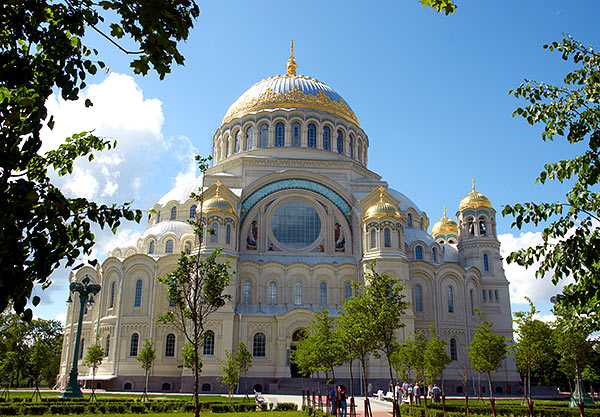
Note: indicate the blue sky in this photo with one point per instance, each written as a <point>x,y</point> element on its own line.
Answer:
<point>429,90</point>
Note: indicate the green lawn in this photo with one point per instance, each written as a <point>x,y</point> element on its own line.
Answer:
<point>136,396</point>
<point>250,414</point>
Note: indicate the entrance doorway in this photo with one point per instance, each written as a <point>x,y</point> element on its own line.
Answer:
<point>296,337</point>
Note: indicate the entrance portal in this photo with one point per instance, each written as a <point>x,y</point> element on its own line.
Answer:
<point>296,337</point>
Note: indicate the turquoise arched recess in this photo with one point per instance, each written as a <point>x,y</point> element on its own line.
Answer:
<point>290,184</point>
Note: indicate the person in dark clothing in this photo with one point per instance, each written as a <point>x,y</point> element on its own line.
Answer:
<point>343,397</point>
<point>333,400</point>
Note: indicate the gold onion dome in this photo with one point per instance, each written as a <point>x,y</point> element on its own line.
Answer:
<point>445,226</point>
<point>381,208</point>
<point>474,200</point>
<point>291,91</point>
<point>217,203</point>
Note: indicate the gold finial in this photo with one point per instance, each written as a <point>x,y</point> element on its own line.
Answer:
<point>473,184</point>
<point>291,63</point>
<point>445,217</point>
<point>218,184</point>
<point>381,190</point>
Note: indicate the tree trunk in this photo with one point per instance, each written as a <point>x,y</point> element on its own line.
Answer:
<point>395,408</point>
<point>352,381</point>
<point>196,379</point>
<point>492,395</point>
<point>368,412</point>
<point>466,401</point>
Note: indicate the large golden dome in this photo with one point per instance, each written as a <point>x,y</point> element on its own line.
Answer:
<point>291,91</point>
<point>382,209</point>
<point>217,203</point>
<point>445,226</point>
<point>474,200</point>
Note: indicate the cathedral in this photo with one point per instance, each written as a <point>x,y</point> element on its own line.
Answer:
<point>299,217</point>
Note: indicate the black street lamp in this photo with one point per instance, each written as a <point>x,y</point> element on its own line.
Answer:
<point>86,295</point>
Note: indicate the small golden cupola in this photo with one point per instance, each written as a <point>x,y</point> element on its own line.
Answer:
<point>474,200</point>
<point>217,203</point>
<point>381,208</point>
<point>445,230</point>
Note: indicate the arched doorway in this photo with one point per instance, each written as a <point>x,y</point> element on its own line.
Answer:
<point>298,335</point>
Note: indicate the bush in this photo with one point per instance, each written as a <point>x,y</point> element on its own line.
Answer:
<point>286,407</point>
<point>10,410</point>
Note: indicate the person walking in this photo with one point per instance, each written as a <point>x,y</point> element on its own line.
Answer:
<point>343,397</point>
<point>437,393</point>
<point>417,393</point>
<point>333,399</point>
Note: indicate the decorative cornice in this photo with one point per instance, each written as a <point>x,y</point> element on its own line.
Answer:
<point>294,98</point>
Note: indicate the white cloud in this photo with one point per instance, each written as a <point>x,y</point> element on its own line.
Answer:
<point>523,281</point>
<point>62,317</point>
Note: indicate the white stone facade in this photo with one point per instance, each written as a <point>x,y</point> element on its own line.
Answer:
<point>299,216</point>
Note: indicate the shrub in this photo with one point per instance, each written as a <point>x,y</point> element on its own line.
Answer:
<point>286,407</point>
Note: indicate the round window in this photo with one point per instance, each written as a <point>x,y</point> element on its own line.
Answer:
<point>296,224</point>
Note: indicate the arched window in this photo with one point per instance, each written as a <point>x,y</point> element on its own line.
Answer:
<point>409,220</point>
<point>166,386</point>
<point>259,345</point>
<point>453,351</point>
<point>472,302</point>
<point>373,239</point>
<point>214,237</point>
<point>249,138</point>
<point>482,229</point>
<point>209,343</point>
<point>351,146</point>
<point>348,288</point>
<point>340,141</point>
<point>484,292</point>
<point>188,248</point>
<point>418,253</point>
<point>450,300</point>
<point>399,239</point>
<point>113,286</point>
<point>272,293</point>
<point>323,293</point>
<point>170,345</point>
<point>312,135</point>
<point>107,346</point>
<point>387,237</point>
<point>279,134</point>
<point>434,254</point>
<point>158,218</point>
<point>360,150</point>
<point>174,213</point>
<point>298,294</point>
<point>169,246</point>
<point>151,248</point>
<point>296,135</point>
<point>81,348</point>
<point>206,387</point>
<point>127,386</point>
<point>138,293</point>
<point>327,138</point>
<point>471,227</point>
<point>227,147</point>
<point>236,144</point>
<point>490,295</point>
<point>486,264</point>
<point>264,135</point>
<point>496,295</point>
<point>418,299</point>
<point>228,234</point>
<point>246,292</point>
<point>193,211</point>
<point>133,345</point>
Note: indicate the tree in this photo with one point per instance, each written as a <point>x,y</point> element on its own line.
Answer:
<point>533,347</point>
<point>357,327</point>
<point>388,307</point>
<point>325,342</point>
<point>486,352</point>
<point>435,358</point>
<point>196,288</point>
<point>43,50</point>
<point>146,358</point>
<point>93,359</point>
<point>231,373</point>
<point>243,360</point>
<point>571,240</point>
<point>445,6</point>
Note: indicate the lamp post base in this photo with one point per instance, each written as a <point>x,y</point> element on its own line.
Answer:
<point>72,389</point>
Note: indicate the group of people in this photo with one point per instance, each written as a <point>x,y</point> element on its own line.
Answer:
<point>338,398</point>
<point>409,393</point>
